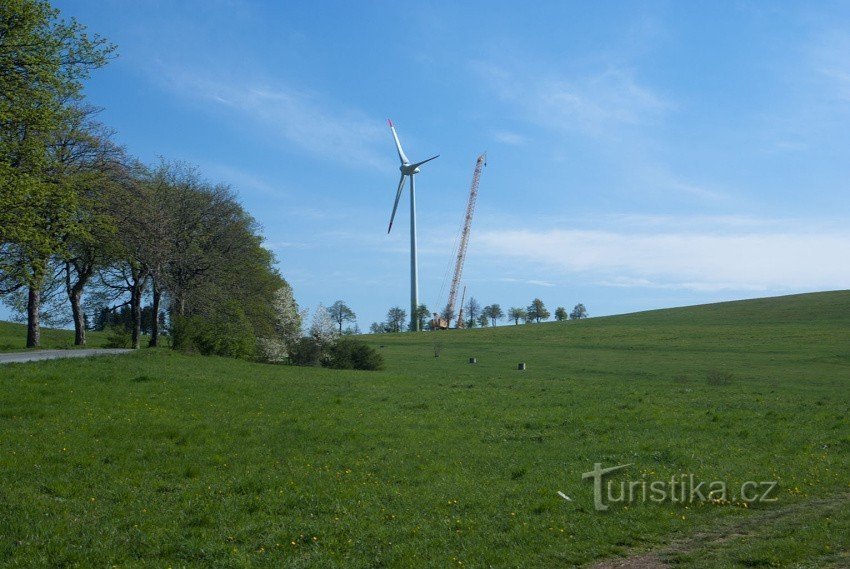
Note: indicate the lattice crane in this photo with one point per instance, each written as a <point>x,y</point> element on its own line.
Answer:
<point>440,322</point>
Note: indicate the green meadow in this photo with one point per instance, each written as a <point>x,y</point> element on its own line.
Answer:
<point>159,459</point>
<point>13,338</point>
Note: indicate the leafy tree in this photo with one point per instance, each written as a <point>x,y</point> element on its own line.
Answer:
<point>537,310</point>
<point>396,317</point>
<point>341,314</point>
<point>211,252</point>
<point>560,313</point>
<point>494,313</point>
<point>287,327</point>
<point>323,329</point>
<point>43,61</point>
<point>229,334</point>
<point>578,312</point>
<point>132,204</point>
<point>53,310</point>
<point>473,311</point>
<point>377,328</point>
<point>84,156</point>
<point>448,314</point>
<point>517,313</point>
<point>483,320</point>
<point>423,315</point>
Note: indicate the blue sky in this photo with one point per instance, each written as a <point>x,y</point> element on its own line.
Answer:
<point>641,154</point>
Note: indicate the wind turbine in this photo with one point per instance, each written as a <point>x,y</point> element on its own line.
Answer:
<point>409,170</point>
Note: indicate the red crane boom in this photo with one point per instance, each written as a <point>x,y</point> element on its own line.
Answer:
<point>464,242</point>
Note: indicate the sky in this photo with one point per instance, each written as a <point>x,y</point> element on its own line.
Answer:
<point>640,154</point>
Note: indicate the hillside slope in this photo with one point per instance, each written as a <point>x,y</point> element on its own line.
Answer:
<point>161,459</point>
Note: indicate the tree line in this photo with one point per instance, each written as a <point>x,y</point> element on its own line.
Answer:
<point>87,229</point>
<point>474,315</point>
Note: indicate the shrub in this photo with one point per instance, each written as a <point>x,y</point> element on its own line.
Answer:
<point>350,353</point>
<point>228,333</point>
<point>181,333</point>
<point>118,337</point>
<point>271,350</point>
<point>306,352</point>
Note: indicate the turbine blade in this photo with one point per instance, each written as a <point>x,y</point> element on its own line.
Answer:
<point>424,161</point>
<point>395,205</point>
<point>401,155</point>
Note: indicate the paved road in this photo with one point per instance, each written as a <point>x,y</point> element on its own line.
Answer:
<point>13,357</point>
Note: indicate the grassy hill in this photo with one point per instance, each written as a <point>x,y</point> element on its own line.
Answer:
<point>160,459</point>
<point>13,337</point>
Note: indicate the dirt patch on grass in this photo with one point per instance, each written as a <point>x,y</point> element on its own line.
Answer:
<point>646,561</point>
<point>716,537</point>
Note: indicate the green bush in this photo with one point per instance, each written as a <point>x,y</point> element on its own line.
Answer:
<point>228,333</point>
<point>306,352</point>
<point>118,336</point>
<point>181,333</point>
<point>350,353</point>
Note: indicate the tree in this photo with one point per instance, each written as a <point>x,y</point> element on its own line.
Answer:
<point>43,61</point>
<point>287,327</point>
<point>493,312</point>
<point>560,314</point>
<point>377,328</point>
<point>517,313</point>
<point>396,317</point>
<point>323,329</point>
<point>341,314</point>
<point>134,204</point>
<point>578,312</point>
<point>473,311</point>
<point>448,314</point>
<point>422,316</point>
<point>84,156</point>
<point>483,320</point>
<point>288,317</point>
<point>537,310</point>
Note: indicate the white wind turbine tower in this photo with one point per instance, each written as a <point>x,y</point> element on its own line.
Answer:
<point>409,170</point>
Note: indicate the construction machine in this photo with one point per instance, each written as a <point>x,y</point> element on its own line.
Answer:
<point>439,322</point>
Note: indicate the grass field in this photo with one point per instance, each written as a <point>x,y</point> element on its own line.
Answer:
<point>164,460</point>
<point>13,338</point>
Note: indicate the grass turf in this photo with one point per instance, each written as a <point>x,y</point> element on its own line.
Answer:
<point>161,459</point>
<point>13,338</point>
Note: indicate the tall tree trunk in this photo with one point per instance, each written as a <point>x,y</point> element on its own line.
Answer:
<point>79,318</point>
<point>33,308</point>
<point>136,313</point>
<point>157,295</point>
<point>75,295</point>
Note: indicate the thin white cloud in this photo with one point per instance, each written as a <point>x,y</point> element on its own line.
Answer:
<point>302,118</point>
<point>591,104</point>
<point>660,177</point>
<point>697,259</point>
<point>533,282</point>
<point>509,138</point>
<point>280,245</point>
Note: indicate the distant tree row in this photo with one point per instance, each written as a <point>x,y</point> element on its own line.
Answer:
<point>537,312</point>
<point>474,315</point>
